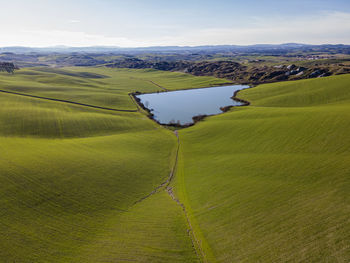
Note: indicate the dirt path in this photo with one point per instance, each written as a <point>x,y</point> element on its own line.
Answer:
<point>195,242</point>
<point>166,186</point>
<point>168,181</point>
<point>65,101</point>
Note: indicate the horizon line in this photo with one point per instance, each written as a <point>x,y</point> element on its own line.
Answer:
<point>165,46</point>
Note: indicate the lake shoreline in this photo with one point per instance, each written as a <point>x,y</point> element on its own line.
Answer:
<point>195,118</point>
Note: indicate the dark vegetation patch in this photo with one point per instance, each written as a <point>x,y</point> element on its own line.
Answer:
<point>237,72</point>
<point>199,118</point>
<point>7,67</point>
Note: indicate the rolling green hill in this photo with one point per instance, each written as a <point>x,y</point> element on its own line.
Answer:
<point>270,182</point>
<point>70,175</point>
<point>99,86</point>
<point>264,183</point>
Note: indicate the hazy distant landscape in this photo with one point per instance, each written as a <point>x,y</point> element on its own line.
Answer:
<point>164,132</point>
<point>241,64</point>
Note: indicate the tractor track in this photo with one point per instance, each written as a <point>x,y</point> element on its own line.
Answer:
<point>152,82</point>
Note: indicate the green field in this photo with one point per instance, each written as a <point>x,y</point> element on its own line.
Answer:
<point>70,175</point>
<point>264,183</point>
<point>271,182</point>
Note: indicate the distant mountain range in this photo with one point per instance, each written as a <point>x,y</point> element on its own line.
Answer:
<point>162,49</point>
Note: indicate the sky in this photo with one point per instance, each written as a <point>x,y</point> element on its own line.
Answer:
<point>140,23</point>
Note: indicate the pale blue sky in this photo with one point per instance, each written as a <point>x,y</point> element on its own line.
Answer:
<point>155,22</point>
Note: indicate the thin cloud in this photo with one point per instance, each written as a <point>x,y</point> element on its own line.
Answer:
<point>74,21</point>
<point>331,27</point>
<point>44,38</point>
<point>326,27</point>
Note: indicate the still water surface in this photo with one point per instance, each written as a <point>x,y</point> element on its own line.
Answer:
<point>180,106</point>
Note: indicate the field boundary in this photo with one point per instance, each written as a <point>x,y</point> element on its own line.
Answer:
<point>66,101</point>
<point>152,82</point>
<point>156,84</point>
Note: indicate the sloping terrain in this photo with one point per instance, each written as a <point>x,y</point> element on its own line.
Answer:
<point>270,182</point>
<point>98,86</point>
<point>70,175</point>
<point>264,183</point>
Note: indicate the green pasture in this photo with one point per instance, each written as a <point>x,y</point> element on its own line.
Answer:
<point>70,174</point>
<point>267,182</point>
<point>270,182</point>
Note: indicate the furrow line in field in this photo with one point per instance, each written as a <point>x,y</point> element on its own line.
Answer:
<point>65,101</point>
<point>159,86</point>
<point>152,82</point>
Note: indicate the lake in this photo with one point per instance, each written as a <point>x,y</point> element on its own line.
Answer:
<point>181,105</point>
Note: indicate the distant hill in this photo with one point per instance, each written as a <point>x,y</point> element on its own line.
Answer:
<point>209,48</point>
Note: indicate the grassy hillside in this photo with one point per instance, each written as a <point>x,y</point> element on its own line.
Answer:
<point>70,174</point>
<point>270,182</point>
<point>264,183</point>
<point>98,86</point>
